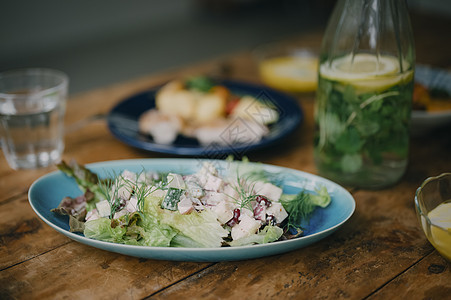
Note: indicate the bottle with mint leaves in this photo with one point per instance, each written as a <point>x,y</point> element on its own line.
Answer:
<point>364,96</point>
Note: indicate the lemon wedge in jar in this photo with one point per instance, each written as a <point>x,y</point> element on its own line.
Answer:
<point>441,237</point>
<point>290,73</point>
<point>366,72</point>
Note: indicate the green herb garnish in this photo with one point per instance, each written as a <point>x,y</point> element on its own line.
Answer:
<point>300,206</point>
<point>110,192</point>
<point>200,83</point>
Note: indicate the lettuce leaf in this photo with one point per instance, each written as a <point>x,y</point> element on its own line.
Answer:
<point>181,240</point>
<point>152,233</point>
<point>100,229</point>
<point>266,235</point>
<point>197,229</point>
<point>202,227</point>
<point>76,209</point>
<point>322,199</point>
<point>152,206</point>
<point>141,230</point>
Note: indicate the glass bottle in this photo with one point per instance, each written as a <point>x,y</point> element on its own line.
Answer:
<point>364,96</point>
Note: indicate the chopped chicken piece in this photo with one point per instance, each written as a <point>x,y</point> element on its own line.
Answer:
<point>176,181</point>
<point>103,208</point>
<point>213,198</point>
<point>247,226</point>
<point>268,190</point>
<point>213,183</point>
<point>162,127</point>
<point>185,205</point>
<point>132,205</point>
<point>231,192</point>
<point>92,215</point>
<point>223,211</point>
<point>276,209</point>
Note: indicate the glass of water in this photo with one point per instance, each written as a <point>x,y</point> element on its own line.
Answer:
<point>32,108</point>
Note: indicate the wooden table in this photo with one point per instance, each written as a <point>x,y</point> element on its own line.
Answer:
<point>379,253</point>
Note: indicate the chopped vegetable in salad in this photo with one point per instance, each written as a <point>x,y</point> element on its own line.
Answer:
<point>203,209</point>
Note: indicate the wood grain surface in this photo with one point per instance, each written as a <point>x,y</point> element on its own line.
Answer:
<point>380,253</point>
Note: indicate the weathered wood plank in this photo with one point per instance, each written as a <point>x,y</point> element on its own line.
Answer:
<point>23,235</point>
<point>77,271</point>
<point>430,278</point>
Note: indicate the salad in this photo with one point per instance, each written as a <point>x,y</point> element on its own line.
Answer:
<point>209,208</point>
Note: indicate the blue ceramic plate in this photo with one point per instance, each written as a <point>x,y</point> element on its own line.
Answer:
<point>47,192</point>
<point>123,123</point>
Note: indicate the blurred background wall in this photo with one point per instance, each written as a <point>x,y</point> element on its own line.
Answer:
<point>106,41</point>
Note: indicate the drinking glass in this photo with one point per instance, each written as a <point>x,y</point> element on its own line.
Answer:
<point>32,108</point>
<point>433,207</point>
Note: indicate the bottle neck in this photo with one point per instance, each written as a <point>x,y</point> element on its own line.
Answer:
<point>376,27</point>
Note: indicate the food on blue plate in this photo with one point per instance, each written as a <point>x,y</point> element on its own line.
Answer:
<point>212,207</point>
<point>201,109</point>
<point>430,99</point>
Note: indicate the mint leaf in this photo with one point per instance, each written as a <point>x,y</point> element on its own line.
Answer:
<point>351,163</point>
<point>349,141</point>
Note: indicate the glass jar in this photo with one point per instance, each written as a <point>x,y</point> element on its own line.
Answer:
<point>364,96</point>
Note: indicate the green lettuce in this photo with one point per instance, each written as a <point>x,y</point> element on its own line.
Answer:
<point>138,229</point>
<point>197,229</point>
<point>183,241</point>
<point>100,229</point>
<point>202,227</point>
<point>266,235</point>
<point>322,198</point>
<point>150,234</point>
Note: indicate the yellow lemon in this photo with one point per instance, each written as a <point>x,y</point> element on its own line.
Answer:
<point>366,72</point>
<point>290,73</point>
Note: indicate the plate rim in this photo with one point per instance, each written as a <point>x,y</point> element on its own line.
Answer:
<point>231,253</point>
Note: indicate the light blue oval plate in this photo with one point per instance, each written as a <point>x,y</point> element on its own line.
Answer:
<point>47,192</point>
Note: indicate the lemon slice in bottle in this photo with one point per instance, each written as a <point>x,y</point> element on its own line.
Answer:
<point>290,73</point>
<point>441,237</point>
<point>366,72</point>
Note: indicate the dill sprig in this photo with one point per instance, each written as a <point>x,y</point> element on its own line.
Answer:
<point>245,194</point>
<point>301,206</point>
<point>162,180</point>
<point>143,186</point>
<point>247,180</point>
<point>110,192</point>
<point>142,189</point>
